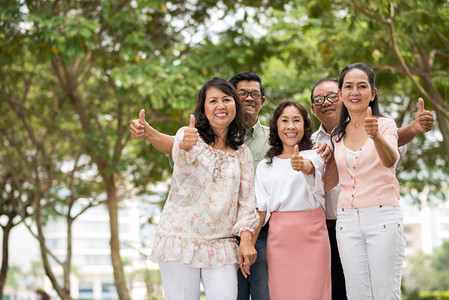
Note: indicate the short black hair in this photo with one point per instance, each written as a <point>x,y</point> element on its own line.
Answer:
<point>319,82</point>
<point>248,76</point>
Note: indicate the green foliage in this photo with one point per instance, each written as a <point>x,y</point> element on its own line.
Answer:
<point>12,276</point>
<point>428,272</point>
<point>75,73</point>
<point>316,39</point>
<point>417,295</point>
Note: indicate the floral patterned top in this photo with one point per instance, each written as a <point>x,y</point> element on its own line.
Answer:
<point>211,200</point>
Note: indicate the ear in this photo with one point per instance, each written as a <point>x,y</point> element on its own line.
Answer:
<point>374,94</point>
<point>313,109</point>
<point>262,100</point>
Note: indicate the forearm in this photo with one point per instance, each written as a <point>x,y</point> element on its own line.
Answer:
<point>308,167</point>
<point>407,134</point>
<point>386,153</point>
<point>161,141</point>
<point>246,238</point>
<point>262,215</point>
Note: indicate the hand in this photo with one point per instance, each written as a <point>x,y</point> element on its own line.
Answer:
<point>191,136</point>
<point>323,147</point>
<point>297,160</point>
<point>424,118</point>
<point>371,126</point>
<point>247,254</point>
<point>139,128</point>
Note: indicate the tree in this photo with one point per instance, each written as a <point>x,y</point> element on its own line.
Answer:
<point>33,160</point>
<point>84,69</point>
<point>404,42</point>
<point>81,70</point>
<point>428,272</point>
<point>428,45</point>
<point>15,191</point>
<point>11,195</point>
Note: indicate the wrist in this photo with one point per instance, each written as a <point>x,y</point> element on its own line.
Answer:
<point>416,128</point>
<point>246,237</point>
<point>376,137</point>
<point>150,134</point>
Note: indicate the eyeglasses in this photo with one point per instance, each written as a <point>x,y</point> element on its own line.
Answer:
<point>319,100</point>
<point>254,94</point>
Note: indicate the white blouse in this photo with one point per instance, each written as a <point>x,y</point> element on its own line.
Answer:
<point>280,188</point>
<point>350,157</point>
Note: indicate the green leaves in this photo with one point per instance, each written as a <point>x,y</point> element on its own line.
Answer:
<point>429,272</point>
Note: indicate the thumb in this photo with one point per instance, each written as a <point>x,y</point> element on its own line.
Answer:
<point>296,150</point>
<point>142,116</point>
<point>192,121</point>
<point>369,112</point>
<point>420,105</point>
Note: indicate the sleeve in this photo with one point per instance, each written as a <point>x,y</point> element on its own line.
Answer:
<point>247,217</point>
<point>389,131</point>
<point>402,150</point>
<point>262,194</point>
<point>314,182</point>
<point>181,157</point>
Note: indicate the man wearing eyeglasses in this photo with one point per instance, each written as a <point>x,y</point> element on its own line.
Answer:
<point>326,106</point>
<point>252,97</point>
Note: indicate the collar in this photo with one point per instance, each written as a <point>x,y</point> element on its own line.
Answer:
<point>253,131</point>
<point>322,131</point>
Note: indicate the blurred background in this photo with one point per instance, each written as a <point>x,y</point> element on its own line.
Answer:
<point>80,199</point>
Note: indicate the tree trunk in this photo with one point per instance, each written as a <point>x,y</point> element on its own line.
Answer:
<point>5,254</point>
<point>441,118</point>
<point>119,275</point>
<point>442,124</point>
<point>67,263</point>
<point>61,291</point>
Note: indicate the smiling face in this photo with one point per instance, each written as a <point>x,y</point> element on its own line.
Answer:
<point>219,108</point>
<point>251,106</point>
<point>328,113</point>
<point>356,92</point>
<point>290,127</point>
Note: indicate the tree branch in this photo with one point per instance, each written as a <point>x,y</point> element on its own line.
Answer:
<point>371,15</point>
<point>401,60</point>
<point>49,122</point>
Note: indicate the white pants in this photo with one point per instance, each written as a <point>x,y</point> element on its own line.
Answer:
<point>371,243</point>
<point>182,282</point>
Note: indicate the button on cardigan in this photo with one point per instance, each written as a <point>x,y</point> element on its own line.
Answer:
<point>369,183</point>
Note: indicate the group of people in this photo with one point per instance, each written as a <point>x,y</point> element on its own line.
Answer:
<point>281,212</point>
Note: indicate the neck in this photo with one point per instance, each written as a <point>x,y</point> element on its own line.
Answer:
<point>287,151</point>
<point>220,140</point>
<point>250,121</point>
<point>357,120</point>
<point>328,127</point>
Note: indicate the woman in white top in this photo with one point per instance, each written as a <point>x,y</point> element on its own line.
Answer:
<point>298,251</point>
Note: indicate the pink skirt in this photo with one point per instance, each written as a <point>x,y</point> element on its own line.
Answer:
<point>299,255</point>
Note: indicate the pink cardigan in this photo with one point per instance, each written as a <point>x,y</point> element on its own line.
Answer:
<point>369,183</point>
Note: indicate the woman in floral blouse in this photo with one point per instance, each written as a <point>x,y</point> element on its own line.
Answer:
<point>211,201</point>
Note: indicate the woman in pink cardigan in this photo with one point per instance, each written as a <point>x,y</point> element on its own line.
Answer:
<point>370,232</point>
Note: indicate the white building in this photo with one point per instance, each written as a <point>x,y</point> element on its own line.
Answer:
<point>91,260</point>
<point>92,272</point>
<point>426,227</point>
